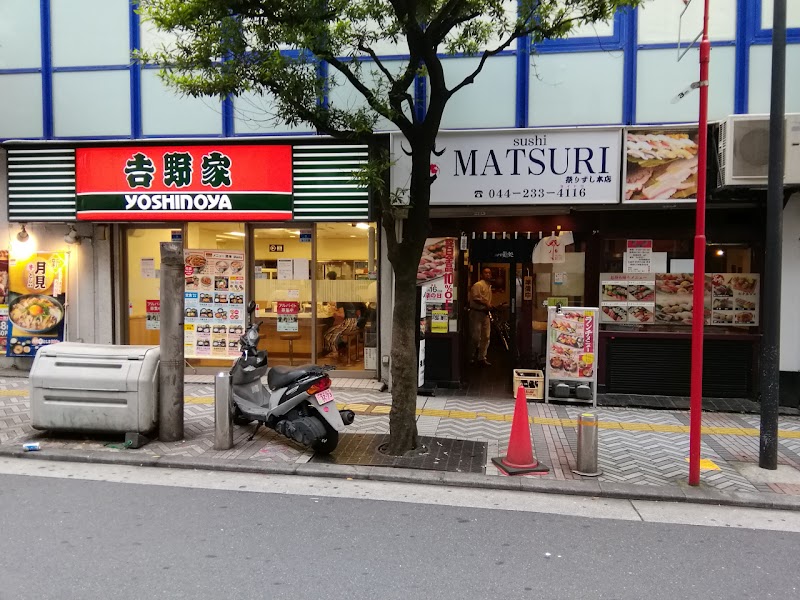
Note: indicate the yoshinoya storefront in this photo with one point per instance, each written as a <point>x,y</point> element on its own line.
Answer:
<point>590,217</point>
<point>279,221</point>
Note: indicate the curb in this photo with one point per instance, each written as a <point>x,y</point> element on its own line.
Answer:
<point>590,488</point>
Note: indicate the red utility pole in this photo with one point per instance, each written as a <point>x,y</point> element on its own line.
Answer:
<point>698,306</point>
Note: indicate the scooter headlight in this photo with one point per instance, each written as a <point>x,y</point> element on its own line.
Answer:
<point>252,336</point>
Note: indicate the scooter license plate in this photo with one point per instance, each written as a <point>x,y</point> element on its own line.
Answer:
<point>324,396</point>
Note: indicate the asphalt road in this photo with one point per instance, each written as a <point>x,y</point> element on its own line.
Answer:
<point>90,531</point>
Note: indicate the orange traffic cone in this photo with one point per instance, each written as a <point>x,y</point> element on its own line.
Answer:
<point>520,459</point>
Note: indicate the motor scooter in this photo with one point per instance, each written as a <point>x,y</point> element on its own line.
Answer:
<point>297,402</point>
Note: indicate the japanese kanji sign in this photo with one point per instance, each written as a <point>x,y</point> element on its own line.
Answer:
<point>542,166</point>
<point>184,183</point>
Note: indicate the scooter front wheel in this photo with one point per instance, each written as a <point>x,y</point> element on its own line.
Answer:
<point>327,444</point>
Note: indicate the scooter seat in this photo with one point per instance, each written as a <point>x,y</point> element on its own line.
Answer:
<point>279,377</point>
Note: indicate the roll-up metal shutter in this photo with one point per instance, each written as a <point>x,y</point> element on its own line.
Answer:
<point>41,184</point>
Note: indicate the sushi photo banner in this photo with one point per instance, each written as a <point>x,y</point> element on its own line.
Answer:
<point>730,299</point>
<point>661,164</point>
<point>37,293</point>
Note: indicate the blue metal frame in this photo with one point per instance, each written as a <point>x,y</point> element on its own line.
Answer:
<point>523,81</point>
<point>135,73</point>
<point>741,84</point>
<point>47,70</point>
<point>631,34</point>
<point>624,38</point>
<point>764,36</point>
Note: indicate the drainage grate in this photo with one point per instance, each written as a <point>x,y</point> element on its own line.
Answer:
<point>436,454</point>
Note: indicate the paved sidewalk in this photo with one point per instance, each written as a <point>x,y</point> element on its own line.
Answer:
<point>643,453</point>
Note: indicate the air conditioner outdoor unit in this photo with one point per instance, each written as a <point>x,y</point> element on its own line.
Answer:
<point>744,150</point>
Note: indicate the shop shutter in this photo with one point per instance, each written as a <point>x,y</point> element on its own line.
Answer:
<point>41,184</point>
<point>663,367</point>
<point>324,184</point>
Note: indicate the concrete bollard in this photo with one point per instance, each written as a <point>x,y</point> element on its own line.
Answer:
<point>223,412</point>
<point>587,446</point>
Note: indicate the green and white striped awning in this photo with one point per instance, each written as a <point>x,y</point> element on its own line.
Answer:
<point>41,184</point>
<point>324,187</point>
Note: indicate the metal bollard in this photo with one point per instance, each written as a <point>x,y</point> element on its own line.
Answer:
<point>223,409</point>
<point>587,446</point>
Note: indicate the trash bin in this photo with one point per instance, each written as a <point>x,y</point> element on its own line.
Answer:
<point>95,388</point>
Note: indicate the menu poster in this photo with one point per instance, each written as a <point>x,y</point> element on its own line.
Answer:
<point>734,299</point>
<point>37,290</point>
<point>3,298</point>
<point>627,298</point>
<point>153,312</point>
<point>667,298</point>
<point>214,315</point>
<point>571,339</point>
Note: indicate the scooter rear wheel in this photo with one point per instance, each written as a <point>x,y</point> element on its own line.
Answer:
<point>327,444</point>
<point>239,418</point>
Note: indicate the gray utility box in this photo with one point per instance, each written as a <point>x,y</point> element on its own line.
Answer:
<point>95,388</point>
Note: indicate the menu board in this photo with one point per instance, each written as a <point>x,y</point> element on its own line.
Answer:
<point>214,314</point>
<point>571,344</point>
<point>667,298</point>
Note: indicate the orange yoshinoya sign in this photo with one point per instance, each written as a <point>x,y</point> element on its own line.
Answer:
<point>184,183</point>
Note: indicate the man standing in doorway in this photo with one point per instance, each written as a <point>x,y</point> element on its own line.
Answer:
<point>480,302</point>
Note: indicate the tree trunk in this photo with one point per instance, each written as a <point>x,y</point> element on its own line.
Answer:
<point>405,262</point>
<point>402,419</point>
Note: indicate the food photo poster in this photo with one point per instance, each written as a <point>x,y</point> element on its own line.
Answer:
<point>661,165</point>
<point>37,292</point>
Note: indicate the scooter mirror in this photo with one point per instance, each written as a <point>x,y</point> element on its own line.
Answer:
<point>251,307</point>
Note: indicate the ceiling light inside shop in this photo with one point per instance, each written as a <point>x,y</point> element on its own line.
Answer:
<point>236,233</point>
<point>720,252</point>
<point>362,225</point>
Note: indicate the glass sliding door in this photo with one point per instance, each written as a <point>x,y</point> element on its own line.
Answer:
<point>282,291</point>
<point>143,263</point>
<point>347,293</point>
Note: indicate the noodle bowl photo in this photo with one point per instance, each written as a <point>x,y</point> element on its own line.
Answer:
<point>35,313</point>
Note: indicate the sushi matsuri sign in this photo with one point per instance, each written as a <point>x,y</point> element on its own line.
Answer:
<point>541,166</point>
<point>661,165</point>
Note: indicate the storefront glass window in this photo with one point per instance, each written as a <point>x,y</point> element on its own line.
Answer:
<point>347,293</point>
<point>281,275</point>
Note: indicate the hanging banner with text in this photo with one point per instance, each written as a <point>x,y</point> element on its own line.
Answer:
<point>438,273</point>
<point>542,166</point>
<point>37,293</point>
<point>184,183</point>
